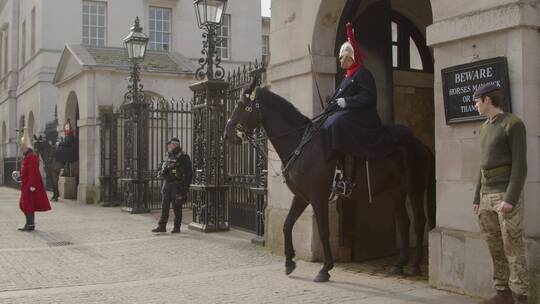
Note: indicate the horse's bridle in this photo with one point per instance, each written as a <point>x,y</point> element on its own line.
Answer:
<point>248,110</point>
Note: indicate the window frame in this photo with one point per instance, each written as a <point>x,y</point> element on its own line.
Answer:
<point>219,47</point>
<point>97,26</point>
<point>23,42</point>
<point>406,30</point>
<point>150,30</point>
<point>33,29</point>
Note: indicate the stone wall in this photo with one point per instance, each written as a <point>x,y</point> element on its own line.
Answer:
<point>459,259</point>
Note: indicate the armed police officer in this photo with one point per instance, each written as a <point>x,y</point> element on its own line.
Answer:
<point>176,172</point>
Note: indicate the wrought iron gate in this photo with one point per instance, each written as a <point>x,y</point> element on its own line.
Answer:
<point>243,167</point>
<point>161,119</point>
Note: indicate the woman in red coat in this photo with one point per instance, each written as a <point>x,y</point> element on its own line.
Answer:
<point>33,195</point>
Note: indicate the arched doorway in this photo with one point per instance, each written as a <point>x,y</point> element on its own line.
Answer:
<point>72,114</point>
<point>392,35</point>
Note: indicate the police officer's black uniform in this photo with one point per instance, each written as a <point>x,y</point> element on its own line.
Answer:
<point>176,172</point>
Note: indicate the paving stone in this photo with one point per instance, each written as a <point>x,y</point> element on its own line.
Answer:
<point>90,254</point>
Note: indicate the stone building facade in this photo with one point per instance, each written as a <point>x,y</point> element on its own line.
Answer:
<point>64,53</point>
<point>454,33</point>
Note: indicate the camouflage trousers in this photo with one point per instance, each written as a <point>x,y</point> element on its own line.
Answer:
<point>504,236</point>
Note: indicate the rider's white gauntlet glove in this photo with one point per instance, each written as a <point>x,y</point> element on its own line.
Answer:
<point>341,102</point>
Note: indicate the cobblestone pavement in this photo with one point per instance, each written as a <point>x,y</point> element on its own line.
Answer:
<point>90,254</point>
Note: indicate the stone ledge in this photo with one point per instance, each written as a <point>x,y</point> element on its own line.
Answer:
<point>479,23</point>
<point>459,261</point>
<point>300,66</point>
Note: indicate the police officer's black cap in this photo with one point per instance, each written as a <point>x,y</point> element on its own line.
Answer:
<point>174,140</point>
<point>486,89</point>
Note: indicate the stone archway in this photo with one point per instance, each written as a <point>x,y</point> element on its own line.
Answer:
<point>68,183</point>
<point>72,110</point>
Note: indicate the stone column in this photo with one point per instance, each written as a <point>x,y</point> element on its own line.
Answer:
<point>87,189</point>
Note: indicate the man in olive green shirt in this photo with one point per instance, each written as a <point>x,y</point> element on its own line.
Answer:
<point>498,198</point>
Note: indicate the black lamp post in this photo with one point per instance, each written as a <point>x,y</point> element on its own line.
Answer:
<point>135,113</point>
<point>209,17</point>
<point>135,43</point>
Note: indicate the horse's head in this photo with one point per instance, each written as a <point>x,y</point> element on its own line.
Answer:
<point>246,116</point>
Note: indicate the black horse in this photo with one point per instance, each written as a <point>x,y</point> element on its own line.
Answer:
<point>408,172</point>
<point>47,152</point>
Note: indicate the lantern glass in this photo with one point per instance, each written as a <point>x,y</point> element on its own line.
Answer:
<point>209,11</point>
<point>136,42</point>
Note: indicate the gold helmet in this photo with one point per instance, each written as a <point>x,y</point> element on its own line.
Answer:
<point>346,50</point>
<point>26,141</point>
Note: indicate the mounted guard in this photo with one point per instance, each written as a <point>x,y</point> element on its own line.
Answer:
<point>354,130</point>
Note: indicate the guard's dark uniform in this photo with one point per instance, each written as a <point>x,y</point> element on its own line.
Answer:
<point>177,174</point>
<point>356,129</point>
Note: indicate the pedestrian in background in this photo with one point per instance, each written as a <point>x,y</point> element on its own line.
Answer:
<point>33,195</point>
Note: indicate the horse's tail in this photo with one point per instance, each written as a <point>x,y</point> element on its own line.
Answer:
<point>431,189</point>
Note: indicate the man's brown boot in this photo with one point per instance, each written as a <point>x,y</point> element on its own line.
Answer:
<point>521,299</point>
<point>502,297</point>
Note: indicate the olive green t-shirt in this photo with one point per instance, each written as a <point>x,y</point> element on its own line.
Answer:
<point>502,144</point>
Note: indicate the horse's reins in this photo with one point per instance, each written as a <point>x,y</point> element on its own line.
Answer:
<point>316,121</point>
<point>306,137</point>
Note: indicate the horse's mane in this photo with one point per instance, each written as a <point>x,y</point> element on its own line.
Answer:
<point>287,110</point>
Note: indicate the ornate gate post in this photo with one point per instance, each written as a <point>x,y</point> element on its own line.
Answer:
<point>210,209</point>
<point>135,181</point>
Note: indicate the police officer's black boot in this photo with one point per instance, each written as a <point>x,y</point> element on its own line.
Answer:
<point>30,225</point>
<point>159,228</point>
<point>177,206</point>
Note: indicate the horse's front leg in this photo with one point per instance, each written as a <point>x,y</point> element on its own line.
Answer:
<point>54,176</point>
<point>320,207</point>
<point>298,206</point>
<point>417,203</point>
<point>403,223</point>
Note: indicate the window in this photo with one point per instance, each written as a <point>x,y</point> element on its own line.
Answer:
<point>265,45</point>
<point>23,42</point>
<point>409,50</point>
<point>160,28</point>
<point>6,53</point>
<point>223,47</point>
<point>94,23</point>
<point>33,32</point>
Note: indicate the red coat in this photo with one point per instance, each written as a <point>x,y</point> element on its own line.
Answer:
<point>30,177</point>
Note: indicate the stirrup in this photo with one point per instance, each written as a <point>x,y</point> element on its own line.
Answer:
<point>341,186</point>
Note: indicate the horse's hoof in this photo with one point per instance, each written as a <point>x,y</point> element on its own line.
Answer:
<point>290,267</point>
<point>322,277</point>
<point>397,270</point>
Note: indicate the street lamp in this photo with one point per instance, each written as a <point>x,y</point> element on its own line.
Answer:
<point>135,115</point>
<point>209,16</point>
<point>135,43</point>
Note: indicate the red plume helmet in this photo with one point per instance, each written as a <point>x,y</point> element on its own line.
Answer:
<point>358,56</point>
